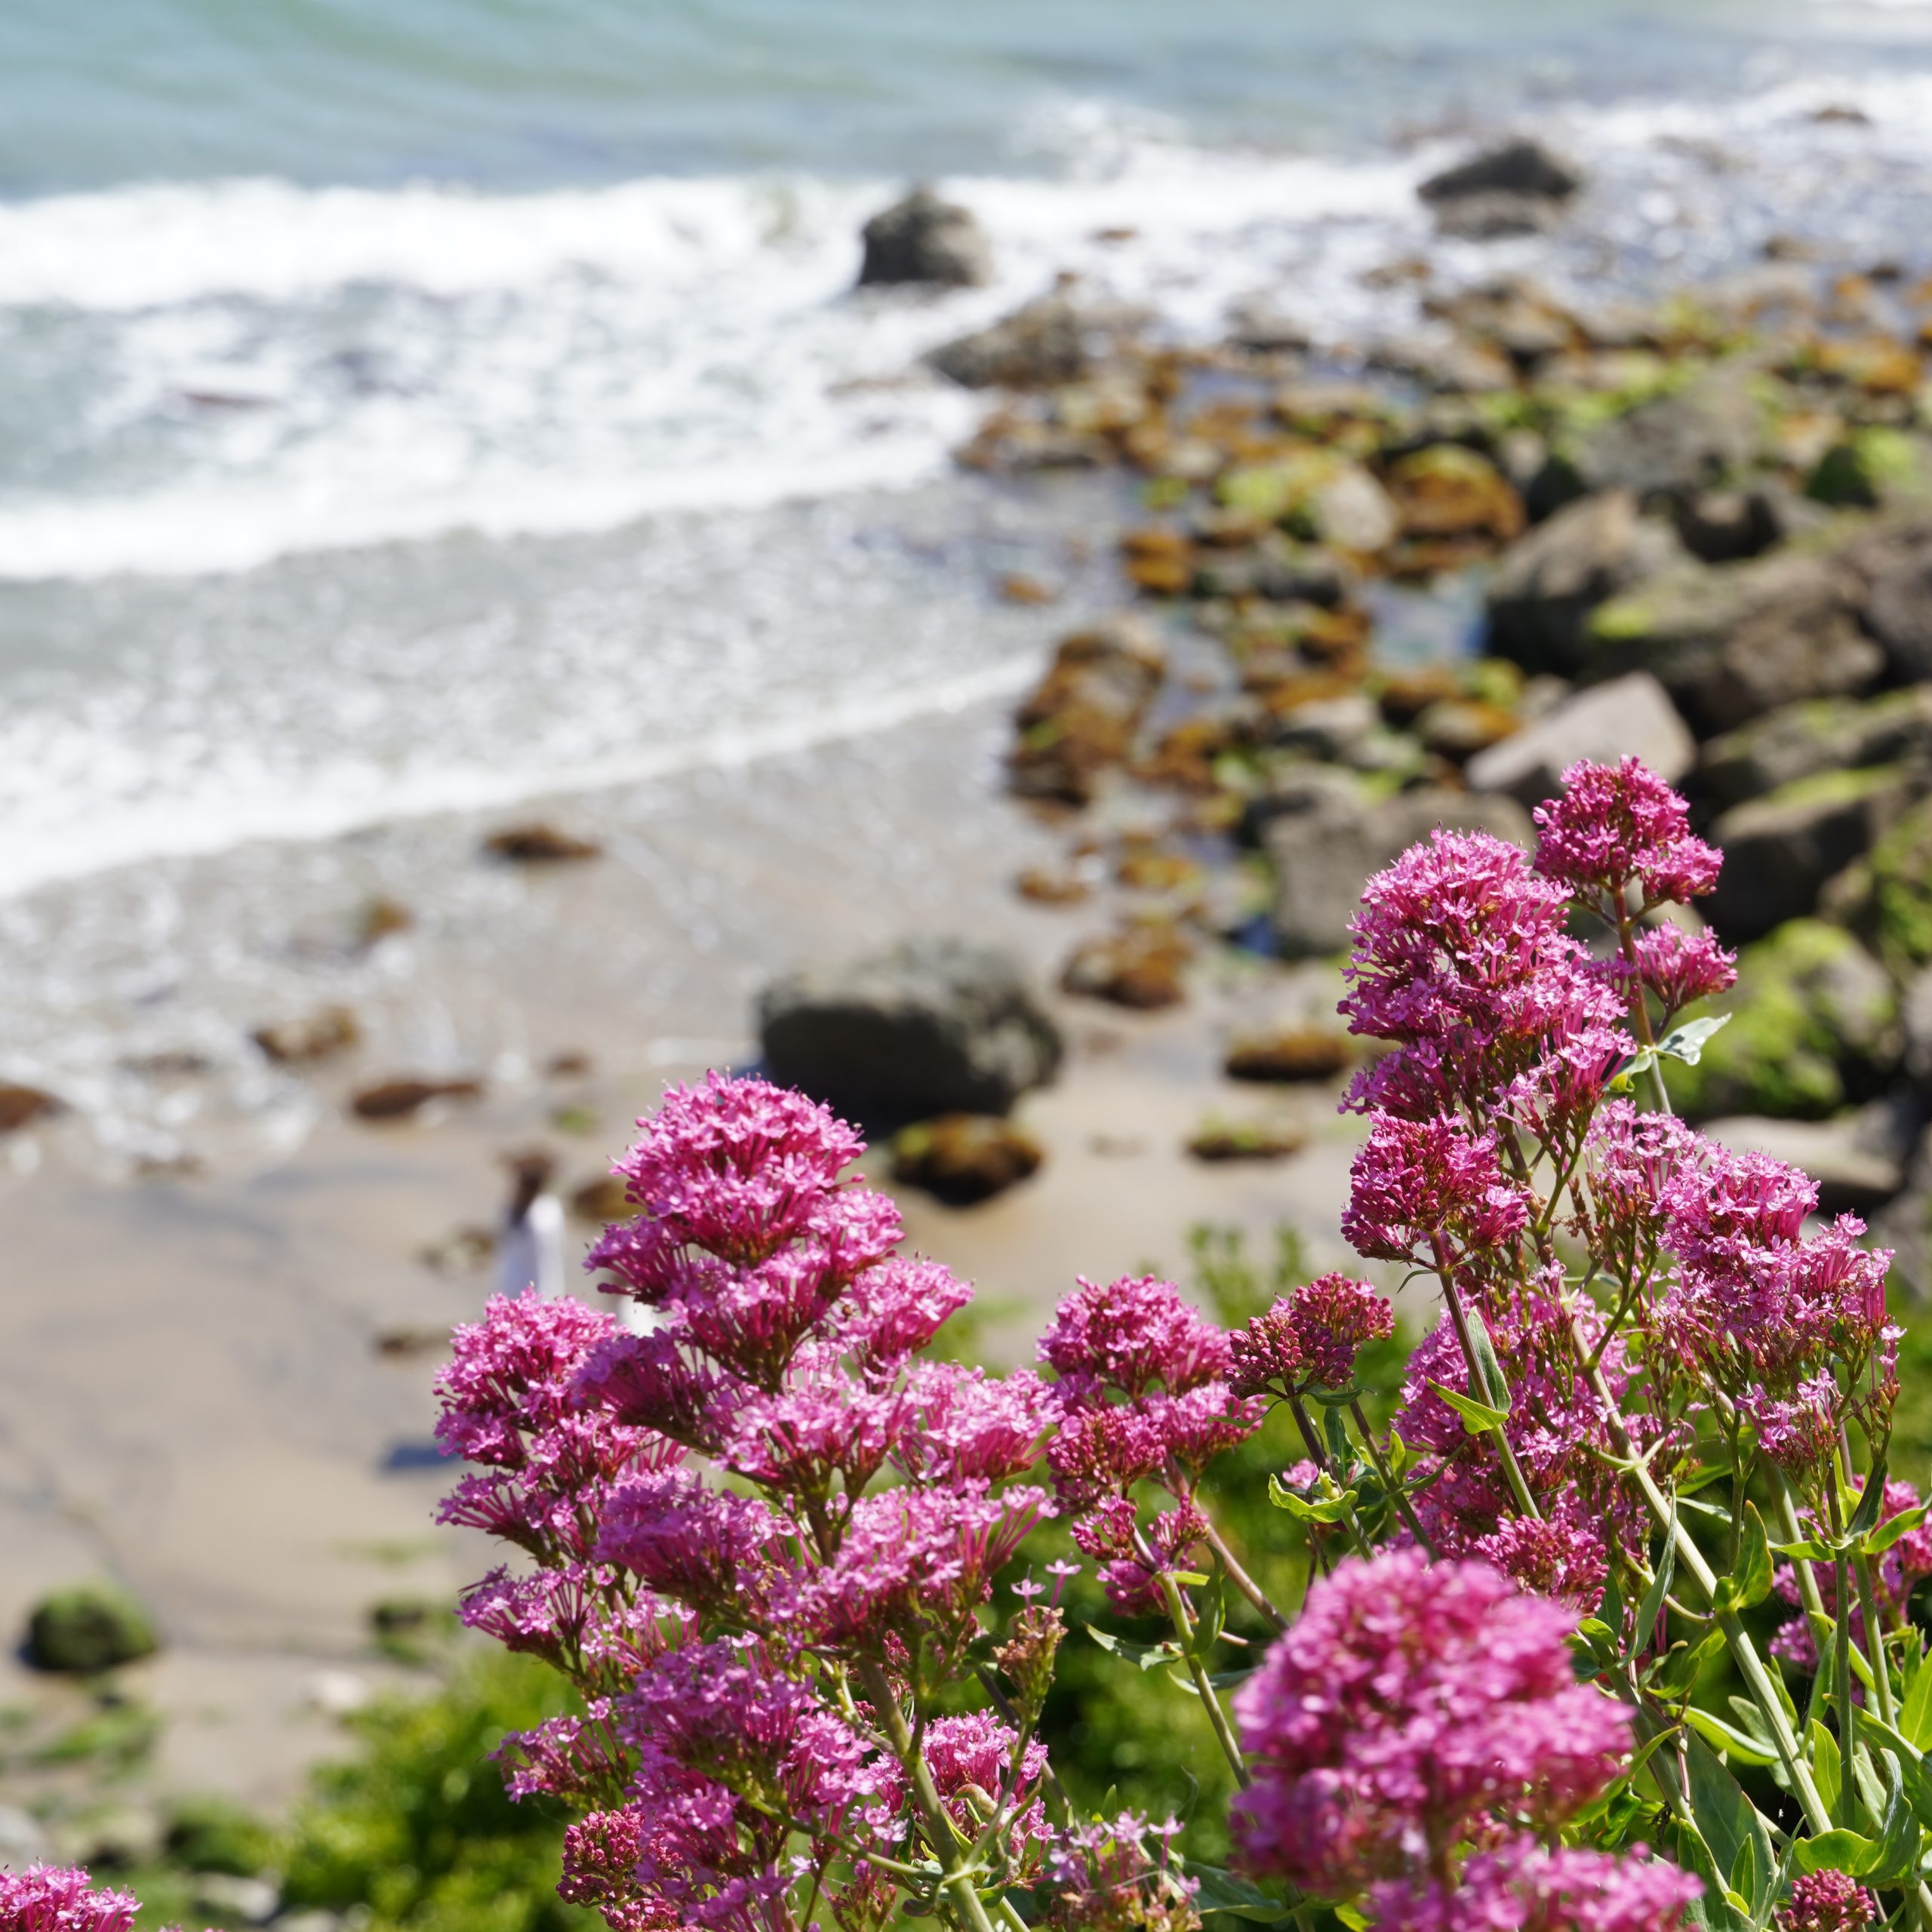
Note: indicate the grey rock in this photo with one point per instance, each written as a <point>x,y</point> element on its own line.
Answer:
<point>1731,641</point>
<point>1700,438</point>
<point>1905,1226</point>
<point>1780,850</point>
<point>924,239</point>
<point>1726,526</point>
<point>1322,853</point>
<point>1800,741</point>
<point>1035,347</point>
<point>1334,728</point>
<point>1519,167</point>
<point>1915,1013</point>
<point>1496,215</point>
<point>88,1628</point>
<point>1898,601</point>
<point>1858,1159</point>
<point>222,1895</point>
<point>1631,716</point>
<point>1549,581</point>
<point>933,1027</point>
<point>118,1837</point>
<point>23,1842</point>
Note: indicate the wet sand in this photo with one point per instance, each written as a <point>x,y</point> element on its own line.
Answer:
<point>195,1395</point>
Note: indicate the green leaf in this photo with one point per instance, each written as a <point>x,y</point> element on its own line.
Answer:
<point>1899,1834</point>
<point>1329,1509</point>
<point>1915,1769</point>
<point>1399,1457</point>
<point>1478,1418</point>
<point>1870,1500</point>
<point>1489,1370</point>
<point>1888,1532</point>
<point>1810,1551</point>
<point>1148,1657</point>
<point>1728,1739</point>
<point>1652,1606</point>
<point>1916,1714</point>
<point>1671,1677</point>
<point>1827,1768</point>
<point>1687,1042</point>
<point>1751,1582</point>
<point>1838,1850</point>
<point>1226,1891</point>
<point>1728,1820</point>
<point>1334,1399</point>
<point>1356,1922</point>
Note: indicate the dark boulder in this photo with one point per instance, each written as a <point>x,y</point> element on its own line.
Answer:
<point>1039,346</point>
<point>922,239</point>
<point>1519,187</point>
<point>89,1628</point>
<point>933,1027</point>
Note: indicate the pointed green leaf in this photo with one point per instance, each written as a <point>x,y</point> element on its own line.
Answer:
<point>1726,1817</point>
<point>1478,1418</point>
<point>1228,1892</point>
<point>1751,1582</point>
<point>1870,1500</point>
<point>1652,1606</point>
<point>1329,1509</point>
<point>1671,1677</point>
<point>1489,1370</point>
<point>1916,1714</point>
<point>1728,1739</point>
<point>1827,1769</point>
<point>1888,1532</point>
<point>1687,1042</point>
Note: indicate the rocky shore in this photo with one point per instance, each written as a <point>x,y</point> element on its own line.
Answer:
<point>1284,607</point>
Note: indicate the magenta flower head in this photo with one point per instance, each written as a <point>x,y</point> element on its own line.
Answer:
<point>1619,824</point>
<point>1827,1901</point>
<point>52,1898</point>
<point>1118,1874</point>
<point>1311,1335</point>
<point>1133,1335</point>
<point>1417,1181</point>
<point>1676,968</point>
<point>1409,1706</point>
<point>1525,1887</point>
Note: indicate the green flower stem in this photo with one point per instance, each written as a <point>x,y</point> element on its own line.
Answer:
<point>1751,1666</point>
<point>1640,1013</point>
<point>1390,1483</point>
<point>1184,1625</point>
<point>957,1883</point>
<point>1875,1644</point>
<point>1241,1581</point>
<point>1452,1299</point>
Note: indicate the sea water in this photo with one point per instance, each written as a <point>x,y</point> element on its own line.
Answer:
<point>412,405</point>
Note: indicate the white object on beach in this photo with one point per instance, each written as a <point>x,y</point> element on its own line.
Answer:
<point>531,1253</point>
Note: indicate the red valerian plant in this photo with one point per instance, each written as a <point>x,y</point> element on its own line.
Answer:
<point>762,1538</point>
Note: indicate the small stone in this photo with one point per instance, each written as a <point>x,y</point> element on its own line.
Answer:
<point>1081,719</point>
<point>22,1105</point>
<point>1288,1053</point>
<point>1141,967</point>
<point>297,1042</point>
<point>922,239</point>
<point>1055,885</point>
<point>962,1159</point>
<point>380,919</point>
<point>602,1200</point>
<point>539,845</point>
<point>1219,1140</point>
<point>87,1629</point>
<point>1631,716</point>
<point>408,1342</point>
<point>1459,728</point>
<point>1023,587</point>
<point>1518,167</point>
<point>397,1099</point>
<point>1037,346</point>
<point>569,1065</point>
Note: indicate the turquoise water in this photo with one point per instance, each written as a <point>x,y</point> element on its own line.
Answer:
<point>539,93</point>
<point>316,314</point>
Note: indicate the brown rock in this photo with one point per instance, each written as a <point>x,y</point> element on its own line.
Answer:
<point>1082,717</point>
<point>296,1042</point>
<point>962,1159</point>
<point>21,1107</point>
<point>1218,1139</point>
<point>1049,885</point>
<point>1023,587</point>
<point>603,1199</point>
<point>1139,966</point>
<point>1287,1054</point>
<point>397,1099</point>
<point>538,844</point>
<point>1458,728</point>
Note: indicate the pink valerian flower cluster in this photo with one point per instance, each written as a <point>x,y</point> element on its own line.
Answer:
<point>1827,1901</point>
<point>1432,1187</point>
<point>1411,1707</point>
<point>717,1633</point>
<point>1675,968</point>
<point>53,1898</point>
<point>1522,1887</point>
<point>1106,1876</point>
<point>1312,1335</point>
<point>1895,1576</point>
<point>1143,1394</point>
<point>1617,826</point>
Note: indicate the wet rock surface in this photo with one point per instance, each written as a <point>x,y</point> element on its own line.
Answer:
<point>925,240</point>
